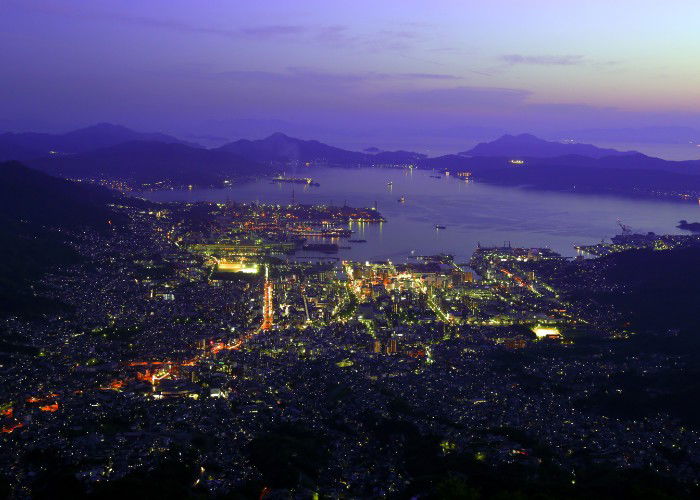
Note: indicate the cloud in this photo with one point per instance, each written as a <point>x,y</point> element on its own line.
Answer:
<point>261,32</point>
<point>273,31</point>
<point>459,99</point>
<point>571,108</point>
<point>563,60</point>
<point>303,75</point>
<point>335,35</point>
<point>92,13</point>
<point>400,41</point>
<point>427,76</point>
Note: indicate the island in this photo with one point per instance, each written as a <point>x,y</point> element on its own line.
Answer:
<point>689,226</point>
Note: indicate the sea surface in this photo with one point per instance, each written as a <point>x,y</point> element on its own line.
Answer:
<point>472,213</point>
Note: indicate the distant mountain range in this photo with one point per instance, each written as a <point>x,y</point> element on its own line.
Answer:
<point>648,135</point>
<point>525,160</point>
<point>30,145</point>
<point>630,175</point>
<point>115,152</point>
<point>527,145</point>
<point>545,164</point>
<point>147,162</point>
<point>281,148</point>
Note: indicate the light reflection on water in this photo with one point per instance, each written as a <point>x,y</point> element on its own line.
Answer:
<point>473,213</point>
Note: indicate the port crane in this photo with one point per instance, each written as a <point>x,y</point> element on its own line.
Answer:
<point>624,227</point>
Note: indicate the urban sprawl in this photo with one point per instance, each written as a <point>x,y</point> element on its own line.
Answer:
<point>228,334</point>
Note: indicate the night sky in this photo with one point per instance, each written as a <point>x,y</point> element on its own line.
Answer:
<point>390,72</point>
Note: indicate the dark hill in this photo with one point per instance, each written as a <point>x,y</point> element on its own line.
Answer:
<point>148,162</point>
<point>29,145</point>
<point>400,157</point>
<point>280,148</point>
<point>37,215</point>
<point>39,199</point>
<point>527,145</point>
<point>634,174</point>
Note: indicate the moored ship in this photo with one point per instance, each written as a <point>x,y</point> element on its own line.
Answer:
<point>295,180</point>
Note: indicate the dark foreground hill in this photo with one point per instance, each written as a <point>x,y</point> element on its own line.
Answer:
<point>653,294</point>
<point>656,291</point>
<point>37,214</point>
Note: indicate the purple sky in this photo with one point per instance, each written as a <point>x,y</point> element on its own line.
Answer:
<point>392,73</point>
